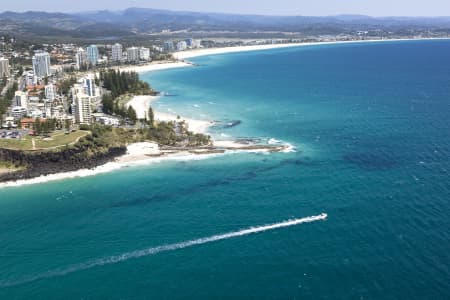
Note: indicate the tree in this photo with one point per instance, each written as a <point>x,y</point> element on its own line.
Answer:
<point>11,91</point>
<point>120,83</point>
<point>66,85</point>
<point>67,125</point>
<point>52,124</point>
<point>45,127</point>
<point>151,117</point>
<point>108,104</point>
<point>37,126</point>
<point>131,114</point>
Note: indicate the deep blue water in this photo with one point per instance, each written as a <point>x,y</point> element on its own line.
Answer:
<point>371,124</point>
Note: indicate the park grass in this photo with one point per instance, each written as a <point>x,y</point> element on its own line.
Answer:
<point>57,139</point>
<point>17,144</point>
<point>60,139</point>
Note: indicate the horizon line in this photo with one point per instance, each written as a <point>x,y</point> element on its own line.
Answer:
<point>119,11</point>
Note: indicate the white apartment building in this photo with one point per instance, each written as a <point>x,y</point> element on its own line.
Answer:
<point>144,54</point>
<point>4,67</point>
<point>78,88</point>
<point>133,55</point>
<point>81,58</point>
<point>82,108</point>
<point>58,112</point>
<point>196,44</point>
<point>41,64</point>
<point>158,49</point>
<point>105,119</point>
<point>30,79</point>
<point>18,112</point>
<point>89,85</point>
<point>21,99</point>
<point>181,45</point>
<point>116,52</point>
<point>168,46</point>
<point>50,92</point>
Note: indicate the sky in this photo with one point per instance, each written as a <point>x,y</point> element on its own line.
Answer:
<point>266,7</point>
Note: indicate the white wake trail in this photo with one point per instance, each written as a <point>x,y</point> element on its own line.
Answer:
<point>154,250</point>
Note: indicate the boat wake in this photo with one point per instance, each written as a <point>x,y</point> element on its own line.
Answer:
<point>155,250</point>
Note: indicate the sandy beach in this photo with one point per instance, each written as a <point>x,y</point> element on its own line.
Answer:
<point>213,51</point>
<point>154,66</point>
<point>182,56</point>
<point>139,151</point>
<point>149,152</point>
<point>141,105</point>
<point>145,153</point>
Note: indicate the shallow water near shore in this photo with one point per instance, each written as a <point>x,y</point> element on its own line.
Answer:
<point>371,127</point>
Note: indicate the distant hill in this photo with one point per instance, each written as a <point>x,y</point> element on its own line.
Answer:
<point>41,25</point>
<point>140,21</point>
<point>181,19</point>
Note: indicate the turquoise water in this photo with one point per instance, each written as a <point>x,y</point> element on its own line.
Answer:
<point>372,131</point>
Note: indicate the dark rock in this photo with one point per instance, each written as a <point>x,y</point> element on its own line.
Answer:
<point>53,162</point>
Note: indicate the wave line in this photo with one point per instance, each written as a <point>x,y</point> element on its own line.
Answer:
<point>154,250</point>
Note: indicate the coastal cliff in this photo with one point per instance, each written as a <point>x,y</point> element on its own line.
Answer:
<point>103,144</point>
<point>35,164</point>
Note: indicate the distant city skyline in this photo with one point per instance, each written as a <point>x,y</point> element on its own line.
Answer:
<point>264,7</point>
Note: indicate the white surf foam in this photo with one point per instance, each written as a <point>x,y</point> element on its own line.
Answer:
<point>114,166</point>
<point>109,167</point>
<point>155,250</point>
<point>289,147</point>
<point>273,141</point>
<point>106,168</point>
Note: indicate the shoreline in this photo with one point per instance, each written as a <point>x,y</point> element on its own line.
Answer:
<point>153,66</point>
<point>147,152</point>
<point>182,56</point>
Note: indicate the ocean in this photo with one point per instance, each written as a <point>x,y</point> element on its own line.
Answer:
<point>370,123</point>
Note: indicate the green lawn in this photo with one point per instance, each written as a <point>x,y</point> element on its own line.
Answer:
<point>58,139</point>
<point>16,144</point>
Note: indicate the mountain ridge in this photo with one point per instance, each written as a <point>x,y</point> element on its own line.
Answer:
<point>142,21</point>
